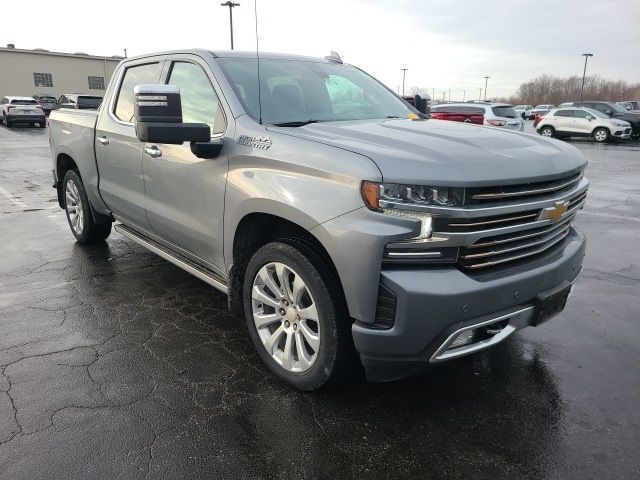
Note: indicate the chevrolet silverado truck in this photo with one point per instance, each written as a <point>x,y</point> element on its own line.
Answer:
<point>335,217</point>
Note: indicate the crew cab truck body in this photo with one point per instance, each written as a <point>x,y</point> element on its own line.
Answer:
<point>331,213</point>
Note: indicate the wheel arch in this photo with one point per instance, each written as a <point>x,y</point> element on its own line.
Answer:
<point>255,230</point>
<point>64,163</point>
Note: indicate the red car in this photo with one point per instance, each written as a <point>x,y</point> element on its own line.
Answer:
<point>458,113</point>
<point>538,117</point>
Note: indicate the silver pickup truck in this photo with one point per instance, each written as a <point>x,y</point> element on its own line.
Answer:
<point>334,215</point>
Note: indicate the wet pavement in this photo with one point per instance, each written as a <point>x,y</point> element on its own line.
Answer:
<point>116,364</point>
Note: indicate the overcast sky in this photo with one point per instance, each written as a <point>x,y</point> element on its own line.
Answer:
<point>445,44</point>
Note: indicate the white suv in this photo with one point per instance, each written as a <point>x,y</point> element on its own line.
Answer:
<point>525,111</point>
<point>21,110</point>
<point>582,122</point>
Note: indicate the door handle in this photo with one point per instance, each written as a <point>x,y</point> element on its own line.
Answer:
<point>103,140</point>
<point>153,151</point>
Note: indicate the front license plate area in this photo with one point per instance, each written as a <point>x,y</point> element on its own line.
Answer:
<point>550,303</point>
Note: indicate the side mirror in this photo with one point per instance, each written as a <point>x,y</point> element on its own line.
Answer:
<point>609,112</point>
<point>158,117</point>
<point>589,118</point>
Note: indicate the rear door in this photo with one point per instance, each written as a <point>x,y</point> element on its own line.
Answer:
<point>184,193</point>
<point>118,150</point>
<point>562,120</point>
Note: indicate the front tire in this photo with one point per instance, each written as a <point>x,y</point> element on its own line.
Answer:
<point>548,132</point>
<point>601,135</point>
<point>296,315</point>
<point>78,211</point>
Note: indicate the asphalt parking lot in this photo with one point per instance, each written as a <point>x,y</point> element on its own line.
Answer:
<point>116,364</point>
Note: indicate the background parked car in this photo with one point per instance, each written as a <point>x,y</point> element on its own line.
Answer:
<point>615,111</point>
<point>47,102</point>
<point>525,111</point>
<point>493,114</point>
<point>21,110</point>
<point>79,101</point>
<point>582,122</point>
<point>542,109</point>
<point>629,104</point>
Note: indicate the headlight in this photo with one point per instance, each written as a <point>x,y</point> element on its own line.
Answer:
<point>381,196</point>
<point>619,124</point>
<point>408,201</point>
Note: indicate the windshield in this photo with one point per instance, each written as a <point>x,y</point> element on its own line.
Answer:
<point>506,111</point>
<point>618,108</point>
<point>48,99</point>
<point>520,107</point>
<point>596,113</point>
<point>300,91</point>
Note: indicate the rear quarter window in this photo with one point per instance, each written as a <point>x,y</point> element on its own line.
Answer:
<point>504,111</point>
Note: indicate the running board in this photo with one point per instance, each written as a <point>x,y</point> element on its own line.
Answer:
<point>178,260</point>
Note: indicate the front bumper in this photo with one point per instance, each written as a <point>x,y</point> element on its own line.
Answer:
<point>433,303</point>
<point>621,132</point>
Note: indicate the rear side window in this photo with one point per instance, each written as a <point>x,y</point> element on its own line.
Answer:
<point>471,110</point>
<point>506,111</point>
<point>89,102</point>
<point>23,102</point>
<point>148,73</point>
<point>200,103</point>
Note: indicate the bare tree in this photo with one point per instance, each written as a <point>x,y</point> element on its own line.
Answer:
<point>555,90</point>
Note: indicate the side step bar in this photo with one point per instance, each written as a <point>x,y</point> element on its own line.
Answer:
<point>178,260</point>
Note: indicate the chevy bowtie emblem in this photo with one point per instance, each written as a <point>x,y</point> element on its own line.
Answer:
<point>554,213</point>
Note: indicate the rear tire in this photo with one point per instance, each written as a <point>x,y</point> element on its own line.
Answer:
<point>42,124</point>
<point>315,328</point>
<point>548,132</point>
<point>78,210</point>
<point>601,135</point>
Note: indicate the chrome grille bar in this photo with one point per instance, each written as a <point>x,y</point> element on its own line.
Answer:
<point>527,190</point>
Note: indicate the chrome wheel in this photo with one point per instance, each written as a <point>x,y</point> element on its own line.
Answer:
<point>286,317</point>
<point>74,207</point>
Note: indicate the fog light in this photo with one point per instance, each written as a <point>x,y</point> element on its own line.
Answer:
<point>463,338</point>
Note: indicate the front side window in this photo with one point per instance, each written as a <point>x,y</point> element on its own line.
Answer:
<point>96,83</point>
<point>43,79</point>
<point>580,114</point>
<point>200,104</point>
<point>146,74</point>
<point>564,113</point>
<point>298,91</point>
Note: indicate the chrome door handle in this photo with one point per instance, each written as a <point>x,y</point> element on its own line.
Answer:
<point>103,140</point>
<point>153,151</point>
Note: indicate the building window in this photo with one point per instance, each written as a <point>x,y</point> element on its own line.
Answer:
<point>96,83</point>
<point>43,79</point>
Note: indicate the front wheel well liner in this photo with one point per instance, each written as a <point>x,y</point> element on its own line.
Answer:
<point>256,230</point>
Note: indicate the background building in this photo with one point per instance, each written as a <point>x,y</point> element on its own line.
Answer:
<point>31,72</point>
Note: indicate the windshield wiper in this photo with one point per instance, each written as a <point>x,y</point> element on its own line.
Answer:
<point>299,123</point>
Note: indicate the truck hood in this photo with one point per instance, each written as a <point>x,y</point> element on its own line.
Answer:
<point>447,153</point>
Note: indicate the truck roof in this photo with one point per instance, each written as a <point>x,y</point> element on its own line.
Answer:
<point>236,54</point>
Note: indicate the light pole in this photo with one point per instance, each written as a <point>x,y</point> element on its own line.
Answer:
<point>464,95</point>
<point>584,72</point>
<point>404,71</point>
<point>480,96</point>
<point>230,5</point>
<point>485,87</point>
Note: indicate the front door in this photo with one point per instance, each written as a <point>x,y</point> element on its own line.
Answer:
<point>118,150</point>
<point>184,193</point>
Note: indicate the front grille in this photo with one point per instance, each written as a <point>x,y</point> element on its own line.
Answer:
<point>483,195</point>
<point>500,249</point>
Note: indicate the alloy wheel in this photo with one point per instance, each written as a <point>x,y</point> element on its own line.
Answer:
<point>74,207</point>
<point>286,317</point>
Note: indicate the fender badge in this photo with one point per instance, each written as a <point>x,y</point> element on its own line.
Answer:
<point>554,213</point>
<point>255,142</point>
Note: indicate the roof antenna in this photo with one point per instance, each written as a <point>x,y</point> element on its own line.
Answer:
<point>255,10</point>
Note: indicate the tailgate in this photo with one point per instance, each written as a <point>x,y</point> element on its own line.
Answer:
<point>29,109</point>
